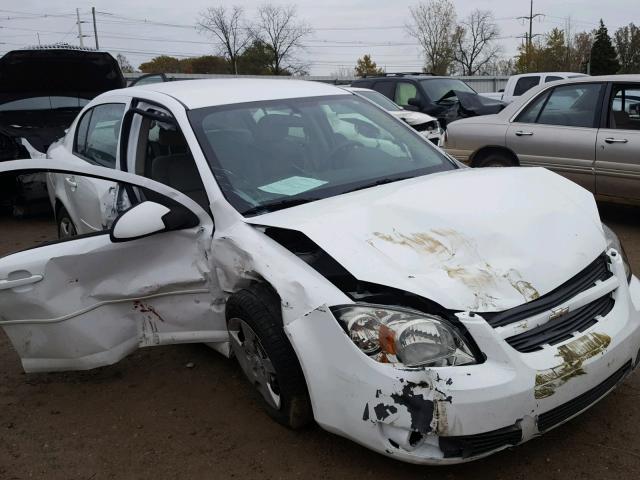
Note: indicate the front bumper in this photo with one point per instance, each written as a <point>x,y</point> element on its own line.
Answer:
<point>457,414</point>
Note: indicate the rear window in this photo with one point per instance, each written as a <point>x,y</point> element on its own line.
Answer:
<point>385,87</point>
<point>525,84</point>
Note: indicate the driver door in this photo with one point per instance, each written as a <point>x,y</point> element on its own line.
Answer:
<point>88,301</point>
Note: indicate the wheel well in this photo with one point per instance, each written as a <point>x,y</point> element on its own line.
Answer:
<point>484,152</point>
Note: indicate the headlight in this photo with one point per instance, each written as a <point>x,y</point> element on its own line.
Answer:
<point>614,242</point>
<point>397,335</point>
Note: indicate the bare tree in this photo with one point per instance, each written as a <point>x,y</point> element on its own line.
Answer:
<point>474,42</point>
<point>433,24</point>
<point>278,27</point>
<point>227,29</point>
<point>343,73</point>
<point>125,66</point>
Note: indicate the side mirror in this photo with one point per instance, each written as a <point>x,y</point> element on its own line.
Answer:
<point>415,102</point>
<point>148,218</point>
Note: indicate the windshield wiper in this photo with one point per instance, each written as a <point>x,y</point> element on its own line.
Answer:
<point>378,182</point>
<point>278,205</point>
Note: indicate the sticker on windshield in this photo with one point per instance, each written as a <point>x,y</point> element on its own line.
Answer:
<point>292,185</point>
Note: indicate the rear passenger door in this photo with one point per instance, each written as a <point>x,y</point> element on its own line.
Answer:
<point>96,141</point>
<point>557,129</point>
<point>618,148</point>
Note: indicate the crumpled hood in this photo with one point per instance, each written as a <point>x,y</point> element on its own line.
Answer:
<point>481,240</point>
<point>412,118</point>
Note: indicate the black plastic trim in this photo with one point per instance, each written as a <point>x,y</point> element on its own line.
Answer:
<point>472,445</point>
<point>559,414</point>
<point>561,329</point>
<point>596,270</point>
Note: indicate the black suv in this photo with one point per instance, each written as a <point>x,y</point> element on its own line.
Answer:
<point>445,98</point>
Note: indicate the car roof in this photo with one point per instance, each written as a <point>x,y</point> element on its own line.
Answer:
<point>565,74</point>
<point>357,89</point>
<point>405,77</point>
<point>606,78</point>
<point>228,91</point>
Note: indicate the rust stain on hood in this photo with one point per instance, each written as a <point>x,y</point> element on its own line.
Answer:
<point>417,241</point>
<point>573,355</point>
<point>449,250</point>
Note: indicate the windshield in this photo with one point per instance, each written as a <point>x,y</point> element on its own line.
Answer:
<point>379,99</point>
<point>437,88</point>
<point>44,103</point>
<point>271,155</point>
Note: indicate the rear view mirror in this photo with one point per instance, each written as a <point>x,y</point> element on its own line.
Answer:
<point>148,218</point>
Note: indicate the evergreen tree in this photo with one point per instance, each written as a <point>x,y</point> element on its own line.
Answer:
<point>365,66</point>
<point>604,60</point>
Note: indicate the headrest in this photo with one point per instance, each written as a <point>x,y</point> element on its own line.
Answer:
<point>170,138</point>
<point>275,126</point>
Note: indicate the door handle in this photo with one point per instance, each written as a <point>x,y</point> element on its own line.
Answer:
<point>71,181</point>
<point>19,282</point>
<point>616,140</point>
<point>520,133</point>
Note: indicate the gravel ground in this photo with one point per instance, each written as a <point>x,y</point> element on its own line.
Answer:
<point>150,416</point>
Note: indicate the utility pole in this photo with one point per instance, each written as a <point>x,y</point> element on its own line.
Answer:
<point>95,29</point>
<point>568,34</point>
<point>38,34</point>
<point>79,27</point>
<point>530,17</point>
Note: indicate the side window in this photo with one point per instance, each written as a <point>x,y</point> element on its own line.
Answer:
<point>572,105</point>
<point>531,112</point>
<point>525,84</point>
<point>552,78</point>
<point>163,155</point>
<point>625,107</point>
<point>80,143</point>
<point>385,87</point>
<point>404,92</point>
<point>98,133</point>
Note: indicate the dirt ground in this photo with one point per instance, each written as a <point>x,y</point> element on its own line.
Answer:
<point>151,416</point>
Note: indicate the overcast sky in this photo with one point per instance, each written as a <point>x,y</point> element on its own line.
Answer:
<point>344,29</point>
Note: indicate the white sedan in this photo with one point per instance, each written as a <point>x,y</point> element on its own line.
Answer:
<point>354,284</point>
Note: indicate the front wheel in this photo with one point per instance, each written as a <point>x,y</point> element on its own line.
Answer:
<point>496,159</point>
<point>266,357</point>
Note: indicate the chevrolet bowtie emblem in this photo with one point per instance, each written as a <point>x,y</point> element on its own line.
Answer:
<point>558,312</point>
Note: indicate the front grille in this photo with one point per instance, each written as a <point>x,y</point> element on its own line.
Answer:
<point>557,331</point>
<point>559,414</point>
<point>471,445</point>
<point>597,270</point>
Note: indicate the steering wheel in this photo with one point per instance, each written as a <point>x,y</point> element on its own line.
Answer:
<point>342,148</point>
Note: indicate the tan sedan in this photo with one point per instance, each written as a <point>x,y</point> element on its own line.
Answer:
<point>586,129</point>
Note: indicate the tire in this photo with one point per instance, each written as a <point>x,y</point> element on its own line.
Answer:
<point>496,159</point>
<point>66,228</point>
<point>278,379</point>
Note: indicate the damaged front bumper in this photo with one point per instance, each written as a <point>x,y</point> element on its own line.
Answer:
<point>457,414</point>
